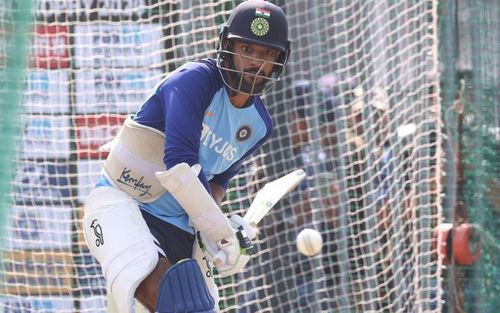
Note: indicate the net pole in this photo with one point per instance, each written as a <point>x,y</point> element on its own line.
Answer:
<point>478,106</point>
<point>14,40</point>
<point>448,52</point>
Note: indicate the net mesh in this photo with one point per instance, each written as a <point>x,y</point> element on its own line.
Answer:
<point>357,109</point>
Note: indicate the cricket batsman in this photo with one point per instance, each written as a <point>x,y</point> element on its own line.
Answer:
<point>153,221</point>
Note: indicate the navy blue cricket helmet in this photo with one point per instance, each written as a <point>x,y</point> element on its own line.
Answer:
<point>257,22</point>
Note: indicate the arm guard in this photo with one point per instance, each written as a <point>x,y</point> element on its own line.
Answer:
<point>183,183</point>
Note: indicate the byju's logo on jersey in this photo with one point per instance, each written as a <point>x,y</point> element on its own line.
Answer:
<point>243,133</point>
<point>217,143</point>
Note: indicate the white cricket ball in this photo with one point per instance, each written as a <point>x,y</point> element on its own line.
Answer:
<point>309,242</point>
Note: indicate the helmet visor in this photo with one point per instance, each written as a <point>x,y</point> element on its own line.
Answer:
<point>252,81</point>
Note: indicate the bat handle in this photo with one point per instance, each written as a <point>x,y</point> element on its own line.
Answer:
<point>254,226</point>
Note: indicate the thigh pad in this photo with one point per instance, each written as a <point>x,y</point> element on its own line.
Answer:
<point>120,240</point>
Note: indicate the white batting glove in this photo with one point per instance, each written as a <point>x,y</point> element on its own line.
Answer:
<point>232,254</point>
<point>237,221</point>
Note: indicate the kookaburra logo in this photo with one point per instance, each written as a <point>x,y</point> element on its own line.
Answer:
<point>208,273</point>
<point>97,232</point>
<point>208,264</point>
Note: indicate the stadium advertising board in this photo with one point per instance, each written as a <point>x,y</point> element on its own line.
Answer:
<point>50,48</point>
<point>118,45</point>
<point>39,227</point>
<point>124,91</point>
<point>46,136</point>
<point>42,182</point>
<point>88,10</point>
<point>37,273</point>
<point>89,172</point>
<point>47,92</point>
<point>80,243</point>
<point>93,304</point>
<point>89,273</point>
<point>37,304</point>
<point>92,131</point>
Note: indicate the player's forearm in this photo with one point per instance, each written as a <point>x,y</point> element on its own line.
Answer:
<point>204,213</point>
<point>218,193</point>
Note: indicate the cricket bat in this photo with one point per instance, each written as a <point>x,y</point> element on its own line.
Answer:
<point>270,194</point>
<point>265,199</point>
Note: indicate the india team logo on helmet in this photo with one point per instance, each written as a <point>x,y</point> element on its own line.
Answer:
<point>259,26</point>
<point>255,22</point>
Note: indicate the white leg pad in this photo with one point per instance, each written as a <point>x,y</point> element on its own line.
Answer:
<point>120,240</point>
<point>205,215</point>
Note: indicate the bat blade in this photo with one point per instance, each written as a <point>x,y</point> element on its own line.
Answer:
<point>270,194</point>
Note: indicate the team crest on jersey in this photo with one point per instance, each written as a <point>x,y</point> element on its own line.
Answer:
<point>243,133</point>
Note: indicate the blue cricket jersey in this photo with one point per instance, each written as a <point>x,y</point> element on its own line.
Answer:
<point>192,107</point>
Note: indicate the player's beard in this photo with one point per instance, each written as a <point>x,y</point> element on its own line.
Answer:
<point>241,84</point>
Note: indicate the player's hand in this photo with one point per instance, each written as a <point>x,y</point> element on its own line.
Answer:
<point>239,223</point>
<point>231,254</point>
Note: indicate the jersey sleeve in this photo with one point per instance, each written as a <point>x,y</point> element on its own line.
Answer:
<point>184,97</point>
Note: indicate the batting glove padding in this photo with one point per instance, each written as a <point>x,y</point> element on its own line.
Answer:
<point>230,255</point>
